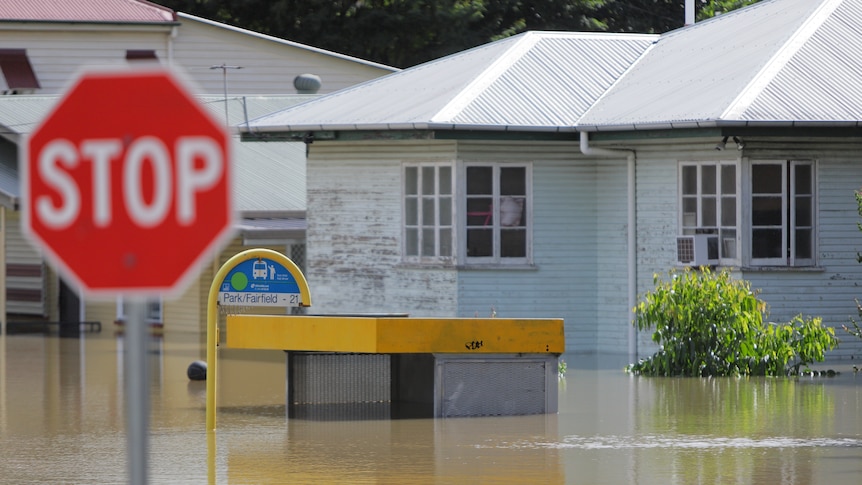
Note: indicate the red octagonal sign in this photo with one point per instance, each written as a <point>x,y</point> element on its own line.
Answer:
<point>126,183</point>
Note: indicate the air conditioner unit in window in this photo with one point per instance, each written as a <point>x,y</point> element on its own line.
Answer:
<point>697,250</point>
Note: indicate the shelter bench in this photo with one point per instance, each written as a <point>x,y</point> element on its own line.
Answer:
<point>402,367</point>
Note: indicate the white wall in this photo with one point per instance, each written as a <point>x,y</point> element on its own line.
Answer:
<point>354,232</point>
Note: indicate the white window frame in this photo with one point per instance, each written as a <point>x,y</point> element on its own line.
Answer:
<point>496,259</point>
<point>685,225</point>
<point>155,310</point>
<point>788,214</point>
<point>422,228</point>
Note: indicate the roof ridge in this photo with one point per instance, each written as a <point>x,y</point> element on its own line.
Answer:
<point>631,66</point>
<point>493,72</point>
<point>779,60</point>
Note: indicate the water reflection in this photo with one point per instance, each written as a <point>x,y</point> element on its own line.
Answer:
<point>62,406</point>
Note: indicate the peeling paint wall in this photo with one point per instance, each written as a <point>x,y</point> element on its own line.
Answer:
<point>354,231</point>
<point>579,240</point>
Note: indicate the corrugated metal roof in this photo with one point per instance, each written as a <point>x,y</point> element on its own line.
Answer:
<point>775,62</point>
<point>20,114</point>
<point>241,109</point>
<point>820,82</point>
<point>270,176</point>
<point>536,80</point>
<point>136,11</point>
<point>284,228</point>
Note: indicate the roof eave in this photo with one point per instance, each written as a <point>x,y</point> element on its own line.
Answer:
<point>670,125</point>
<point>175,21</point>
<point>407,127</point>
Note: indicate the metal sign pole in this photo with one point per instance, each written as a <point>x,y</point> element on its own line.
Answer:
<point>137,390</point>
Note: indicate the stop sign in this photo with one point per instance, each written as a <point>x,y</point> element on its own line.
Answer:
<point>126,183</point>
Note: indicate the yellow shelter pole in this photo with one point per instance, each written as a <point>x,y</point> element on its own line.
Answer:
<point>212,313</point>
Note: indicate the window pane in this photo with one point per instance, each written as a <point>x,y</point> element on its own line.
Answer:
<point>445,211</point>
<point>766,179</point>
<point>689,212</point>
<point>428,212</point>
<point>708,217</point>
<point>445,242</point>
<point>511,211</point>
<point>766,243</point>
<point>411,242</point>
<point>803,179</point>
<point>480,180</point>
<point>804,243</point>
<point>428,180</point>
<point>479,242</point>
<point>428,242</point>
<point>411,177</point>
<point>689,180</point>
<point>707,179</point>
<point>804,211</point>
<point>513,243</point>
<point>728,179</point>
<point>513,181</point>
<point>411,212</point>
<point>479,212</point>
<point>728,243</point>
<point>446,180</point>
<point>728,211</point>
<point>766,211</point>
<point>154,310</point>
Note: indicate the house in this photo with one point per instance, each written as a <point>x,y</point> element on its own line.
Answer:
<point>45,43</point>
<point>43,46</point>
<point>554,174</point>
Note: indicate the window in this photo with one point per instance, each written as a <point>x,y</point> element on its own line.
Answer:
<point>495,205</point>
<point>153,311</point>
<point>18,72</point>
<point>782,213</point>
<point>141,55</point>
<point>428,212</point>
<point>779,205</point>
<point>710,203</point>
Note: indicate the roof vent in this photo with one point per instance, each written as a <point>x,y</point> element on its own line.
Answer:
<point>306,83</point>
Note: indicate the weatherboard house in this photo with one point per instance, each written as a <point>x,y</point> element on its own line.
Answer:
<point>236,74</point>
<point>553,174</point>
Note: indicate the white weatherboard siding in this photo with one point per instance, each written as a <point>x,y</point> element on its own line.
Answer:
<point>58,56</point>
<point>562,283</point>
<point>268,66</point>
<point>354,232</point>
<point>827,291</point>
<point>58,52</point>
<point>580,273</point>
<point>613,315</point>
<point>830,292</point>
<point>656,226</point>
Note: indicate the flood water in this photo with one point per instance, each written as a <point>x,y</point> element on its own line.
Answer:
<point>62,421</point>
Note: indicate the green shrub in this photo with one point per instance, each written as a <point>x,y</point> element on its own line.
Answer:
<point>856,331</point>
<point>709,324</point>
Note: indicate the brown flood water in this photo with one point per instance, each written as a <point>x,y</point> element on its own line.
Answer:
<point>62,421</point>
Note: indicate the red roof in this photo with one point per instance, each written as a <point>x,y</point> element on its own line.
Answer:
<point>137,11</point>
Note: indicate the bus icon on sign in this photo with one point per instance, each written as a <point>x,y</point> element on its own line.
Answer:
<point>258,270</point>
